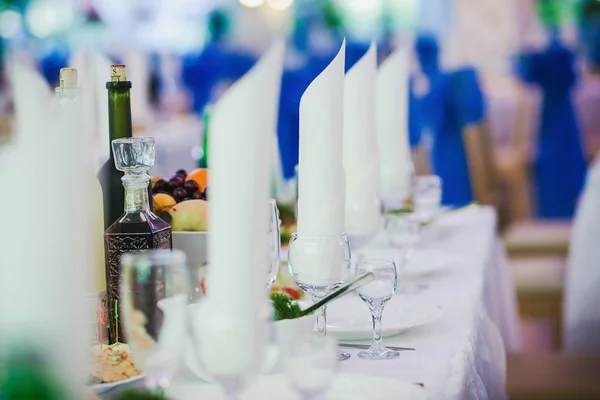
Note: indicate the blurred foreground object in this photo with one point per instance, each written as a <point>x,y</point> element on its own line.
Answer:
<point>41,291</point>
<point>582,294</point>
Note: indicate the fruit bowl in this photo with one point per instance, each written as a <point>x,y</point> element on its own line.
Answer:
<point>194,245</point>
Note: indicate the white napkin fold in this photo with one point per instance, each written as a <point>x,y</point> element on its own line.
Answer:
<point>47,245</point>
<point>240,147</point>
<point>392,124</point>
<point>322,186</point>
<point>361,154</point>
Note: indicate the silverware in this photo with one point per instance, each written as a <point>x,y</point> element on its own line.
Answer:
<point>366,346</point>
<point>362,280</point>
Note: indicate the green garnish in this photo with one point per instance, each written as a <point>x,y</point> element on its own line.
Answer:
<point>400,211</point>
<point>136,394</point>
<point>284,307</point>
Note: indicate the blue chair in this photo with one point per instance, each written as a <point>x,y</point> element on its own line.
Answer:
<point>560,165</point>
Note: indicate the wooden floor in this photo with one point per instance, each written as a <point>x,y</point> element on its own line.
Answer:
<point>540,373</point>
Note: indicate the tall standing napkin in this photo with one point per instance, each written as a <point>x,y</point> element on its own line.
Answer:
<point>322,183</point>
<point>391,119</point>
<point>47,245</point>
<point>242,127</point>
<point>361,155</point>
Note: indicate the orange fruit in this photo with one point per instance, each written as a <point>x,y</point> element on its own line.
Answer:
<point>200,176</point>
<point>163,202</point>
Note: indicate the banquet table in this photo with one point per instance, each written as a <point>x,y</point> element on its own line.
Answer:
<point>461,354</point>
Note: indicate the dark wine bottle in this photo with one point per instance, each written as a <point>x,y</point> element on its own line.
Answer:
<point>120,127</point>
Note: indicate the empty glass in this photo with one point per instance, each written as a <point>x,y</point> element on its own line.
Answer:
<point>404,230</point>
<point>427,196</point>
<point>376,294</point>
<point>310,364</point>
<point>274,243</point>
<point>319,265</point>
<point>154,291</point>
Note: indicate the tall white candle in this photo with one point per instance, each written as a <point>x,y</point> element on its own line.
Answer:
<point>321,186</point>
<point>391,118</point>
<point>361,154</point>
<point>240,147</point>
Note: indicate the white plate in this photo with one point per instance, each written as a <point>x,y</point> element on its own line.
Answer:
<point>344,387</point>
<point>422,263</point>
<point>105,387</point>
<point>349,318</point>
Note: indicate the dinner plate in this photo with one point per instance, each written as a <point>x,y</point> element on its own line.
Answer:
<point>343,387</point>
<point>423,262</point>
<point>349,318</point>
<point>105,387</point>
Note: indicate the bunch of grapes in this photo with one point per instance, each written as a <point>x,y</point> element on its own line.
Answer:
<point>180,188</point>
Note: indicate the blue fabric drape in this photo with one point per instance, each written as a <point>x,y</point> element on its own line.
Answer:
<point>51,64</point>
<point>560,164</point>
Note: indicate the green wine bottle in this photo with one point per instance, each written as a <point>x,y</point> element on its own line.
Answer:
<point>203,161</point>
<point>120,127</point>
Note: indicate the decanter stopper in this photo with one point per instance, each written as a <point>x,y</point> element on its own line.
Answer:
<point>134,156</point>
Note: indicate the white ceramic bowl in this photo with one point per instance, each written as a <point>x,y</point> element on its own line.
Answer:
<point>194,245</point>
<point>283,333</point>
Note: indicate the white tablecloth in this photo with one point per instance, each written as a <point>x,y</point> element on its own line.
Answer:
<point>462,354</point>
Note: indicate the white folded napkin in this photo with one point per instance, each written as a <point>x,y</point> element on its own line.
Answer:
<point>361,154</point>
<point>322,186</point>
<point>242,124</point>
<point>392,124</point>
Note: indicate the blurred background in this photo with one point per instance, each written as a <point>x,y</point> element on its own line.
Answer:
<point>503,101</point>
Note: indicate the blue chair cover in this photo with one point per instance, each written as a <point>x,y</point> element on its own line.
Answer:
<point>51,64</point>
<point>201,72</point>
<point>560,164</point>
<point>414,118</point>
<point>454,100</point>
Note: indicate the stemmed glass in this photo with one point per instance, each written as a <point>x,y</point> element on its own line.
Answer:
<point>376,294</point>
<point>404,232</point>
<point>427,196</point>
<point>319,265</point>
<point>310,364</point>
<point>274,243</point>
<point>363,222</point>
<point>154,291</point>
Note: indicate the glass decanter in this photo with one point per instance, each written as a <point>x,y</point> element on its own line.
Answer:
<point>138,229</point>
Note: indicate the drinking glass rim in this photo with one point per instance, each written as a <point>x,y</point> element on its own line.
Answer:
<point>295,235</point>
<point>162,257</point>
<point>376,261</point>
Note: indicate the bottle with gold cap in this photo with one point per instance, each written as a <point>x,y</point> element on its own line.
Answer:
<point>69,92</point>
<point>120,127</point>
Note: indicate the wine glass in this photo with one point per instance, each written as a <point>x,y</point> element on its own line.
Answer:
<point>376,294</point>
<point>274,243</point>
<point>427,196</point>
<point>319,265</point>
<point>404,232</point>
<point>309,363</point>
<point>363,222</point>
<point>154,287</point>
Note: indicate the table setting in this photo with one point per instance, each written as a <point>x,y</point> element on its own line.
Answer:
<point>400,297</point>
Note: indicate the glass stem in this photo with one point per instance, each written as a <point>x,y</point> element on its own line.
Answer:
<point>376,316</point>
<point>322,321</point>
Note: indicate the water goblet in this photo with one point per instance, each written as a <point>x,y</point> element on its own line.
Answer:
<point>319,265</point>
<point>310,363</point>
<point>427,196</point>
<point>154,290</point>
<point>274,243</point>
<point>376,294</point>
